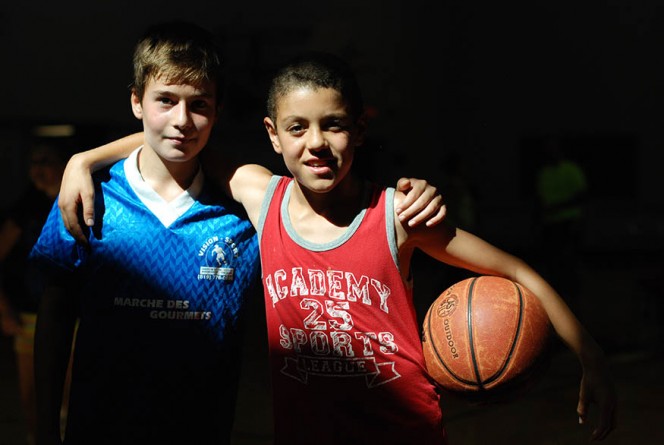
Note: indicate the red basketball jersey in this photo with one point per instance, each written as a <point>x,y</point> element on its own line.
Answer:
<point>345,350</point>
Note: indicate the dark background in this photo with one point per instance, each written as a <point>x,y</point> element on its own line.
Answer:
<point>482,81</point>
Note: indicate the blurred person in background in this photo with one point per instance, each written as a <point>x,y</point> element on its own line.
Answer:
<point>562,191</point>
<point>20,288</point>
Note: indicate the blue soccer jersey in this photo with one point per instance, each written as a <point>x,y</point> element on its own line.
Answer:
<point>161,296</point>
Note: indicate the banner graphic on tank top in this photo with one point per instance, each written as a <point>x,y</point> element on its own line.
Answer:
<point>324,340</point>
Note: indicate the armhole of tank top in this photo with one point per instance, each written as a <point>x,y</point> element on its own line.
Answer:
<point>389,225</point>
<point>265,205</point>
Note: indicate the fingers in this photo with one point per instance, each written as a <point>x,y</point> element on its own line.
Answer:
<point>582,407</point>
<point>412,190</point>
<point>606,424</point>
<point>87,201</point>
<point>413,201</point>
<point>71,222</point>
<point>431,214</point>
<point>606,403</point>
<point>422,203</point>
<point>76,199</point>
<point>403,185</point>
<point>70,215</point>
<point>607,417</point>
<point>439,215</point>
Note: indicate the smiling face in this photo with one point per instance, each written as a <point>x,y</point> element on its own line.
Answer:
<point>316,136</point>
<point>177,118</point>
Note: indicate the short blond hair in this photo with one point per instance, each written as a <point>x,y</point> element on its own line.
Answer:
<point>177,52</point>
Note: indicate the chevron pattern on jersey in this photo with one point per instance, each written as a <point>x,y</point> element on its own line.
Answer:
<point>160,310</point>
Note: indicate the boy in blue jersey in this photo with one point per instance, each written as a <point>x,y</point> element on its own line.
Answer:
<point>161,288</point>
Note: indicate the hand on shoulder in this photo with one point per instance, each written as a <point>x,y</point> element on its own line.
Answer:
<point>416,201</point>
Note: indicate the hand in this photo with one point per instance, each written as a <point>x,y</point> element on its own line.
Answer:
<point>422,203</point>
<point>77,193</point>
<point>597,387</point>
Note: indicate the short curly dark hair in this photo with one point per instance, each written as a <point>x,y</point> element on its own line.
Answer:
<point>316,70</point>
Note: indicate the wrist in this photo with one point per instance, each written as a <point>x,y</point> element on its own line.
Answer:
<point>83,161</point>
<point>592,356</point>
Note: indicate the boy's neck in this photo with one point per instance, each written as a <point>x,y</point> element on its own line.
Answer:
<point>168,179</point>
<point>322,217</point>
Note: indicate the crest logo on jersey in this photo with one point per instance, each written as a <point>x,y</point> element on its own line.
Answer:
<point>218,256</point>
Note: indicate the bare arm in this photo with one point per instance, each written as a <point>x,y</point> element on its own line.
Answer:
<point>77,190</point>
<point>246,184</point>
<point>462,249</point>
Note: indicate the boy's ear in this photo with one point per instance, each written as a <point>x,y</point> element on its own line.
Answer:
<point>272,132</point>
<point>136,106</point>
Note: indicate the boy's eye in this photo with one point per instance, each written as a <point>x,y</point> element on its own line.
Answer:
<point>200,105</point>
<point>295,129</point>
<point>336,125</point>
<point>165,100</point>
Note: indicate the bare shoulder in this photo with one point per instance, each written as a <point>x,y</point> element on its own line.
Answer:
<point>248,185</point>
<point>250,178</point>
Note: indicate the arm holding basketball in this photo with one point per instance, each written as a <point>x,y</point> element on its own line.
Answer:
<point>596,383</point>
<point>462,249</point>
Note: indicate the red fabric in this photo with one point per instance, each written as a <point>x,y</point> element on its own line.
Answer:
<point>346,366</point>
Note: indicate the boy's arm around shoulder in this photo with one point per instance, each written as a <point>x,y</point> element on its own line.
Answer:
<point>76,188</point>
<point>247,185</point>
<point>421,202</point>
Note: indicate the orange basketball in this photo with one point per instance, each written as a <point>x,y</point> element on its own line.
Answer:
<point>486,339</point>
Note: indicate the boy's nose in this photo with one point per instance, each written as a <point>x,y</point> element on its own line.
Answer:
<point>182,118</point>
<point>316,139</point>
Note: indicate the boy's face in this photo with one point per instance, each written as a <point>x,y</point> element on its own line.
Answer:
<point>316,137</point>
<point>177,118</point>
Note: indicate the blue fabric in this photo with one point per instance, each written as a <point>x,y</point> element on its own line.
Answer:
<point>156,353</point>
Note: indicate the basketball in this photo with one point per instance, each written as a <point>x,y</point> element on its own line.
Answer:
<point>486,339</point>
